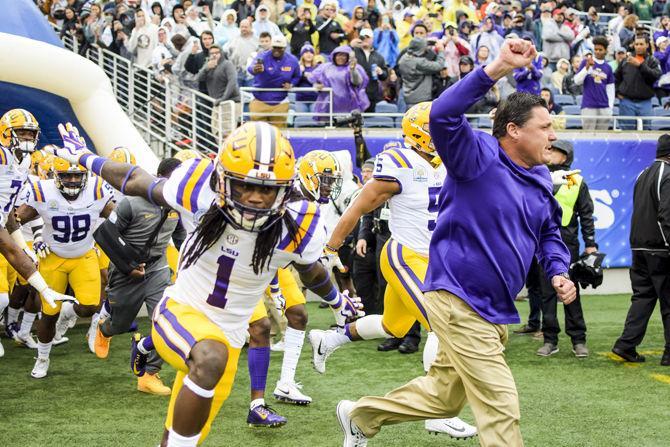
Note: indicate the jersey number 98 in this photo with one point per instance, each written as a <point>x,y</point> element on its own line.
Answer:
<point>73,229</point>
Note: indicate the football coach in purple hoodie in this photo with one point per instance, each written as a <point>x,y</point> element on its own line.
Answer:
<point>496,211</point>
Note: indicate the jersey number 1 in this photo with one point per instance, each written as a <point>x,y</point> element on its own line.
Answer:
<point>218,296</point>
<point>433,204</point>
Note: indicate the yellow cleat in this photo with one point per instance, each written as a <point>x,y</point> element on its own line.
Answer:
<point>152,384</point>
<point>101,342</point>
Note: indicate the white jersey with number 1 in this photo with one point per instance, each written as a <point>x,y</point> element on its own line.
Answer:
<point>69,225</point>
<point>221,283</point>
<point>414,209</point>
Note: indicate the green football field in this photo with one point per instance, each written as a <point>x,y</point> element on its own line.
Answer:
<point>564,401</point>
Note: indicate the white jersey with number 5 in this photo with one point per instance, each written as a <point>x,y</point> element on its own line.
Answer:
<point>221,283</point>
<point>68,225</point>
<point>13,176</point>
<point>414,209</point>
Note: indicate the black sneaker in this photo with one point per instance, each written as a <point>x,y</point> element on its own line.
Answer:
<point>408,346</point>
<point>390,344</point>
<point>525,330</point>
<point>629,355</point>
<point>665,360</point>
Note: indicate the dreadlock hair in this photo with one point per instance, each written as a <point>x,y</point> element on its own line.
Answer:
<point>213,224</point>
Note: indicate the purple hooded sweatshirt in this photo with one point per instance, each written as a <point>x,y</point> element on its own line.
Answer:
<point>346,96</point>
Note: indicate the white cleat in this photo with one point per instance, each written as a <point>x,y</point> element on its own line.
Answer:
<point>321,350</point>
<point>353,436</point>
<point>291,394</point>
<point>453,427</point>
<point>277,347</point>
<point>63,324</point>
<point>60,341</point>
<point>92,329</point>
<point>40,369</point>
<point>28,341</point>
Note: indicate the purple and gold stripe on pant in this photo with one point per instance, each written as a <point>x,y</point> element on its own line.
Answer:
<point>173,333</point>
<point>410,282</point>
<point>196,176</point>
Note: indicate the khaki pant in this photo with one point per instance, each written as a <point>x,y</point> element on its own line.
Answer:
<point>470,366</point>
<point>256,106</point>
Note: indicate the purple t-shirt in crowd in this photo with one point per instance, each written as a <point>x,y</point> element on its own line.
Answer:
<point>494,215</point>
<point>595,86</point>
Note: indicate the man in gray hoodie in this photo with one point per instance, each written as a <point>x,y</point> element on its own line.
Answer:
<point>417,71</point>
<point>556,37</point>
<point>220,77</point>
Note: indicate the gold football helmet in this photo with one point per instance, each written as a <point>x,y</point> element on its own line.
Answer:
<point>44,168</point>
<point>186,154</point>
<point>19,130</point>
<point>122,154</point>
<point>70,178</point>
<point>415,128</point>
<point>255,155</point>
<point>320,176</point>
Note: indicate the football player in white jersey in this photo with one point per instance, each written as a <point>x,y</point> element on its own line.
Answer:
<point>24,296</point>
<point>19,133</point>
<point>69,204</point>
<point>240,232</point>
<point>410,178</point>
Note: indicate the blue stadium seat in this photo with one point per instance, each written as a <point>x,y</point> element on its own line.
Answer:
<point>572,123</point>
<point>616,101</point>
<point>484,122</point>
<point>386,107</point>
<point>655,102</point>
<point>307,121</point>
<point>661,124</point>
<point>379,121</point>
<point>578,99</point>
<point>564,100</point>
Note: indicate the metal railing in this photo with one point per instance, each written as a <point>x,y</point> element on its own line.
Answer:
<point>247,94</point>
<point>170,116</point>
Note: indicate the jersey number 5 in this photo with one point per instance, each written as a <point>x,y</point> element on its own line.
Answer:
<point>73,229</point>
<point>433,204</point>
<point>218,296</point>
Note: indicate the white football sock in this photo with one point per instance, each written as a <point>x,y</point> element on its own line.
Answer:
<point>43,350</point>
<point>334,339</point>
<point>430,350</point>
<point>12,315</point>
<point>4,301</point>
<point>177,440</point>
<point>104,313</point>
<point>26,324</point>
<point>293,341</point>
<point>256,403</point>
<point>370,327</point>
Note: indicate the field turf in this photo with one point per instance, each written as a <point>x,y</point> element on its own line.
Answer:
<point>595,402</point>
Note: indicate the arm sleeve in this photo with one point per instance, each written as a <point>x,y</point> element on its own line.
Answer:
<point>389,167</point>
<point>460,147</point>
<point>553,255</point>
<point>584,208</point>
<point>365,228</point>
<point>611,91</point>
<point>580,77</point>
<point>651,70</point>
<point>231,81</point>
<point>520,74</point>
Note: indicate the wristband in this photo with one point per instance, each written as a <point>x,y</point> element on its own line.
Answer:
<point>125,180</point>
<point>331,249</point>
<point>37,281</point>
<point>93,163</point>
<point>17,235</point>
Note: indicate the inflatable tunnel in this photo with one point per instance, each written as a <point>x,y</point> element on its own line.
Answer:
<point>57,85</point>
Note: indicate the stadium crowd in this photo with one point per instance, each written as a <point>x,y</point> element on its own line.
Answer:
<point>387,56</point>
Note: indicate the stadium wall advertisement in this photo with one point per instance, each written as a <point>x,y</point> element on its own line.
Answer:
<point>609,166</point>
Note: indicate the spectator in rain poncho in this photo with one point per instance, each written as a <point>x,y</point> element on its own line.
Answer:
<point>226,29</point>
<point>263,23</point>
<point>488,36</point>
<point>347,80</point>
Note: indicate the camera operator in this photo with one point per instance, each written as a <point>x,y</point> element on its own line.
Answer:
<point>417,70</point>
<point>147,228</point>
